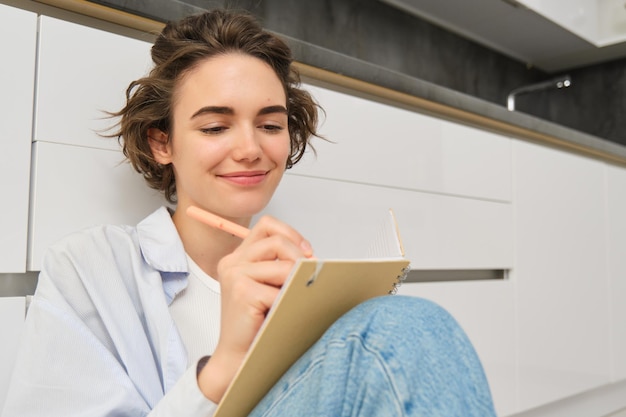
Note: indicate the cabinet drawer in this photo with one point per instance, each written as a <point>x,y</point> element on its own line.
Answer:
<point>75,187</point>
<point>378,144</point>
<point>439,232</point>
<point>81,73</point>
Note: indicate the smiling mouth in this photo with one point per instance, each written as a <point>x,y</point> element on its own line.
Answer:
<point>245,178</point>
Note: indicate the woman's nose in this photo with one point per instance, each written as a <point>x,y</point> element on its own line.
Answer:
<point>246,146</point>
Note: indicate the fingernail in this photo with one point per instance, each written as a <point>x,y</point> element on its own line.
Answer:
<point>306,248</point>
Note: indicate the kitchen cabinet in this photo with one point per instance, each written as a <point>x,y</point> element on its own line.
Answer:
<point>76,187</point>
<point>554,327</point>
<point>73,93</point>
<point>378,144</point>
<point>18,29</point>
<point>560,273</point>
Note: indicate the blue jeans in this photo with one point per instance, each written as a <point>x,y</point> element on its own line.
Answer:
<point>391,356</point>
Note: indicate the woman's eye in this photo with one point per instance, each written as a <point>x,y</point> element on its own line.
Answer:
<point>213,130</point>
<point>272,128</point>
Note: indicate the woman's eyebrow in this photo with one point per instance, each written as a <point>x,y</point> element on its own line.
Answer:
<point>272,109</point>
<point>230,111</point>
<point>213,109</point>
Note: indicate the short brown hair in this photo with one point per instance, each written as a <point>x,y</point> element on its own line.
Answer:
<point>179,48</point>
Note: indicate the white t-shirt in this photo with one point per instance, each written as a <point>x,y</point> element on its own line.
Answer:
<point>196,312</point>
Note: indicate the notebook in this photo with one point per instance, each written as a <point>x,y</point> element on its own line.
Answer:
<point>315,295</point>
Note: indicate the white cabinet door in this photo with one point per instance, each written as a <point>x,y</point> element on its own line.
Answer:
<point>560,273</point>
<point>378,144</point>
<point>18,30</point>
<point>439,232</point>
<point>83,72</point>
<point>616,189</point>
<point>75,187</point>
<point>475,162</point>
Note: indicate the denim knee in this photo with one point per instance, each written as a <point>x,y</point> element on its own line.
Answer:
<point>427,355</point>
<point>393,355</point>
<point>393,312</point>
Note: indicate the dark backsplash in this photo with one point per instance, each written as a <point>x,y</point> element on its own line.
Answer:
<point>372,31</point>
<point>594,103</point>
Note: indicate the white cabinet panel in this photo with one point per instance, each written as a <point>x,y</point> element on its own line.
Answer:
<point>486,311</point>
<point>560,273</point>
<point>75,187</point>
<point>378,144</point>
<point>18,30</point>
<point>616,187</point>
<point>439,232</point>
<point>12,311</point>
<point>83,72</point>
<point>455,233</point>
<point>475,162</point>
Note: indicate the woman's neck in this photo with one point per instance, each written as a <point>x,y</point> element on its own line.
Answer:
<point>204,244</point>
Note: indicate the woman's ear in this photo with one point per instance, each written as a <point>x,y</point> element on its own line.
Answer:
<point>160,145</point>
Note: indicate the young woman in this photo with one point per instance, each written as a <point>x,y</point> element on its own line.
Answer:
<point>124,318</point>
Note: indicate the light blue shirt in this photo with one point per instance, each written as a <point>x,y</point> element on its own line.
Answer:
<point>99,339</point>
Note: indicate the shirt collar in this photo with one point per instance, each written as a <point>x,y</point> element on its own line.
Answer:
<point>163,250</point>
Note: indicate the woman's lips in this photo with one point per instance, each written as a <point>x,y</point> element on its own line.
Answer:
<point>245,177</point>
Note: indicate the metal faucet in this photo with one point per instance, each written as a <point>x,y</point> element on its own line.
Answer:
<point>559,82</point>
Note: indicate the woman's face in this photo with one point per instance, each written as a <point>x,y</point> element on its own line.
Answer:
<point>230,138</point>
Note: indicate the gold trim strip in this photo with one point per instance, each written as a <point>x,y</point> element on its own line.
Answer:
<point>108,14</point>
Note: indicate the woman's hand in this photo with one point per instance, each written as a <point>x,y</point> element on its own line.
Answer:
<point>250,279</point>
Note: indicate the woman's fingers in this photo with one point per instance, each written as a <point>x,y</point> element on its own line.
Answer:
<point>269,248</point>
<point>252,300</point>
<point>269,227</point>
<point>269,241</point>
<point>273,272</point>
<point>244,311</point>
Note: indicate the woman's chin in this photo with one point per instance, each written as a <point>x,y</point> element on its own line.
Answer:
<point>246,209</point>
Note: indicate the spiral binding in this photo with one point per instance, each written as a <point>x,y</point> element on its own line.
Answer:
<point>400,279</point>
